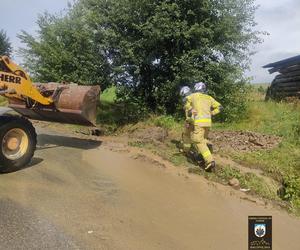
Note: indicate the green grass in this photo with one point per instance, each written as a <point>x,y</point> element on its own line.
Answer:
<point>113,114</point>
<point>109,95</point>
<point>280,119</point>
<point>108,113</point>
<point>164,121</point>
<point>258,85</point>
<point>256,184</point>
<point>281,163</point>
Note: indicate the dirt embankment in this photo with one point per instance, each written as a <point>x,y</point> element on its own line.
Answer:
<point>244,141</point>
<point>150,134</point>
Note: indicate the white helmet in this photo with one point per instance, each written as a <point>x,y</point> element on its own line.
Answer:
<point>200,87</point>
<point>185,91</point>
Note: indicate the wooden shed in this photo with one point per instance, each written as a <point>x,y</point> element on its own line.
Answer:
<point>287,83</point>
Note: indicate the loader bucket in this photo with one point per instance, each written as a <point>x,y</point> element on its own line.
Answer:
<point>73,104</point>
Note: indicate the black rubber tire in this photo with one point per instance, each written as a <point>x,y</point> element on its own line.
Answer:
<point>10,122</point>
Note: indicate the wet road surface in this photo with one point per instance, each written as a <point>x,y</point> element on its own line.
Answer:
<point>80,194</point>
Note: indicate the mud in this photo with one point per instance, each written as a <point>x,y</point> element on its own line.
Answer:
<point>145,158</point>
<point>159,208</point>
<point>242,141</point>
<point>150,134</point>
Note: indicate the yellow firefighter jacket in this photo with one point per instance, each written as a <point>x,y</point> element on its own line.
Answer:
<point>203,107</point>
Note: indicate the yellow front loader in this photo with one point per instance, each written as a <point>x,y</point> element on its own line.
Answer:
<point>53,102</point>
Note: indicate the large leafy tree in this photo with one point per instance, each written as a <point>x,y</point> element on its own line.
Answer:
<point>65,51</point>
<point>5,45</point>
<point>157,46</point>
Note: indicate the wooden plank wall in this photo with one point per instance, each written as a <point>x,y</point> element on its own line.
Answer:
<point>286,84</point>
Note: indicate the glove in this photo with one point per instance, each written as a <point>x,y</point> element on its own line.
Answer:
<point>192,112</point>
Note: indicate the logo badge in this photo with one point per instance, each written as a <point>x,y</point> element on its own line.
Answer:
<point>260,230</point>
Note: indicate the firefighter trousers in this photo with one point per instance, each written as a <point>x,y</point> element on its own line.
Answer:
<point>199,137</point>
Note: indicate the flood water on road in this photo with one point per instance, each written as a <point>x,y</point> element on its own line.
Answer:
<point>80,194</point>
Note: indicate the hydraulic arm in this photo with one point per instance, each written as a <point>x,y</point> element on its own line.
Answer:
<point>16,83</point>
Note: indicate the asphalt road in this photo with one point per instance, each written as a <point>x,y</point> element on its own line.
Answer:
<point>81,194</point>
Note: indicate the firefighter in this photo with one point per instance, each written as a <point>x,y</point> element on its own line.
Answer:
<point>201,107</point>
<point>188,125</point>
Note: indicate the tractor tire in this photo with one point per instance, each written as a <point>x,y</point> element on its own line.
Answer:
<point>18,141</point>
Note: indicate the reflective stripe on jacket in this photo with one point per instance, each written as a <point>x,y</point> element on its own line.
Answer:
<point>205,106</point>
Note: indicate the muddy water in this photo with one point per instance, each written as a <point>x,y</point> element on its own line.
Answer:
<point>94,198</point>
<point>161,210</point>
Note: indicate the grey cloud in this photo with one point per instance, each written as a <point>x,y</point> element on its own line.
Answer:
<point>281,20</point>
<point>285,11</point>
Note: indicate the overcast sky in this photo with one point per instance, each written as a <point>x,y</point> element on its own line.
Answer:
<point>280,18</point>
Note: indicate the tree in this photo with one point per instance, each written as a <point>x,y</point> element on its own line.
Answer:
<point>5,46</point>
<point>65,51</point>
<point>157,46</point>
<point>150,48</point>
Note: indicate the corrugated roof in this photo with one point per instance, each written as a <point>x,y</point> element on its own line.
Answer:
<point>283,63</point>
